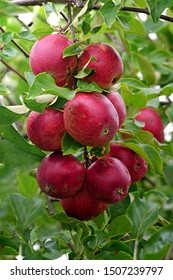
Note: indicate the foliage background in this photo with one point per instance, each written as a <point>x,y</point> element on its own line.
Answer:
<point>139,227</point>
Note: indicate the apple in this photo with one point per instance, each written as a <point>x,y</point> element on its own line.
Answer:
<point>107,64</point>
<point>136,165</point>
<point>108,180</point>
<point>82,205</point>
<point>91,119</point>
<point>153,123</point>
<point>46,129</point>
<point>47,56</point>
<point>60,176</point>
<point>119,105</point>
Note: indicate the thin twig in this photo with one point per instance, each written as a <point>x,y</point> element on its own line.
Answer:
<point>16,44</point>
<point>70,21</point>
<point>80,4</point>
<point>14,70</point>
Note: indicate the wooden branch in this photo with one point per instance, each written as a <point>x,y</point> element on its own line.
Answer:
<point>13,70</point>
<point>81,3</point>
<point>16,44</point>
<point>38,2</point>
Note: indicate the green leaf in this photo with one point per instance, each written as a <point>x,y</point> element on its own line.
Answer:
<point>157,7</point>
<point>45,84</point>
<point>4,90</point>
<point>87,87</point>
<point>41,31</point>
<point>27,185</point>
<point>25,211</point>
<point>7,241</point>
<point>8,116</point>
<point>149,153</point>
<point>12,144</point>
<point>69,145</point>
<point>147,69</point>
<point>119,226</point>
<point>130,98</point>
<point>133,83</point>
<point>8,251</point>
<point>143,212</point>
<point>109,12</point>
<point>74,49</point>
<point>131,24</point>
<point>158,244</point>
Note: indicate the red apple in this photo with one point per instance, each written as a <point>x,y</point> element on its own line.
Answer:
<point>82,205</point>
<point>136,165</point>
<point>119,105</point>
<point>47,56</point>
<point>107,66</point>
<point>60,176</point>
<point>153,122</point>
<point>46,129</point>
<point>91,119</point>
<point>108,180</point>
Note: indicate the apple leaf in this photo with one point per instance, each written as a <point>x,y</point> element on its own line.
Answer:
<point>12,144</point>
<point>149,153</point>
<point>157,7</point>
<point>69,145</point>
<point>87,87</point>
<point>4,90</point>
<point>158,244</point>
<point>45,84</point>
<point>109,11</point>
<point>144,211</point>
<point>8,116</point>
<point>74,49</point>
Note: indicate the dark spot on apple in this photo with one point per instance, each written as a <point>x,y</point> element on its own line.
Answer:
<point>137,166</point>
<point>105,131</point>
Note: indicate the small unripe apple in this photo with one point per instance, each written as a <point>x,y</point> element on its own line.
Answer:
<point>82,205</point>
<point>108,180</point>
<point>46,129</point>
<point>136,165</point>
<point>153,123</point>
<point>91,119</point>
<point>47,56</point>
<point>60,176</point>
<point>119,105</point>
<point>107,66</point>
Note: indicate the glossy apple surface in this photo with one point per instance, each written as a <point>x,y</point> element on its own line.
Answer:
<point>108,180</point>
<point>153,123</point>
<point>91,119</point>
<point>60,176</point>
<point>82,205</point>
<point>107,64</point>
<point>47,56</point>
<point>46,129</point>
<point>136,165</point>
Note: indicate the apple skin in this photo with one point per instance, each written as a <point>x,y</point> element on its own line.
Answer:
<point>136,165</point>
<point>91,119</point>
<point>82,205</point>
<point>119,105</point>
<point>153,122</point>
<point>46,129</point>
<point>108,180</point>
<point>47,56</point>
<point>108,66</point>
<point>60,176</point>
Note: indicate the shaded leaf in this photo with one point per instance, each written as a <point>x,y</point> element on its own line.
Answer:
<point>158,244</point>
<point>157,7</point>
<point>143,212</point>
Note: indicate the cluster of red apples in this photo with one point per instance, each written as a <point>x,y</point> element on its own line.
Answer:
<point>92,119</point>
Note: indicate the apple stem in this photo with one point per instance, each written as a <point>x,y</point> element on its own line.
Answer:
<point>86,158</point>
<point>70,21</point>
